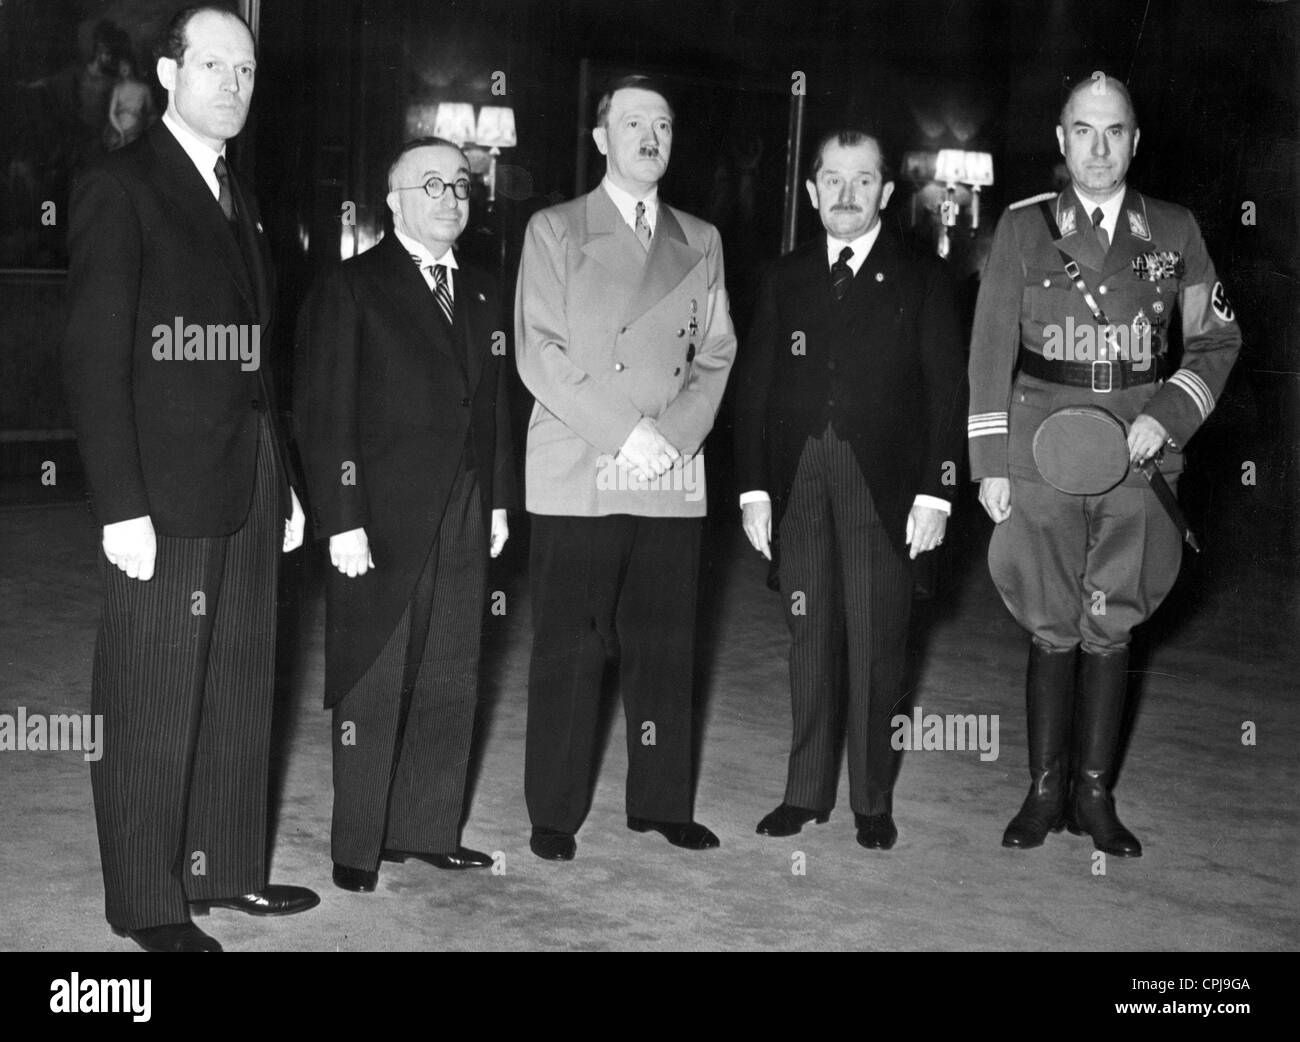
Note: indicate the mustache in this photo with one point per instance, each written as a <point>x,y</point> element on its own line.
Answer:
<point>652,151</point>
<point>845,208</point>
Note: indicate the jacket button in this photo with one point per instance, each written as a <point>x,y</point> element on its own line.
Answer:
<point>623,330</point>
<point>256,403</point>
<point>1101,289</point>
<point>681,332</point>
<point>619,367</point>
<point>1047,283</point>
<point>677,371</point>
<point>464,403</point>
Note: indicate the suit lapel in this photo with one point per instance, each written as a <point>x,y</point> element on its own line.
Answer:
<point>470,302</point>
<point>250,228</point>
<point>812,282</point>
<point>875,280</point>
<point>610,242</point>
<point>1075,226</point>
<point>182,184</point>
<point>671,259</point>
<point>409,294</point>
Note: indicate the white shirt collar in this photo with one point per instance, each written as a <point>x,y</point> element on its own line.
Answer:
<point>626,203</point>
<point>860,246</point>
<point>200,154</point>
<point>1109,210</point>
<point>418,249</point>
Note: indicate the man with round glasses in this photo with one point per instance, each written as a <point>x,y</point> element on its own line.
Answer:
<point>404,431</point>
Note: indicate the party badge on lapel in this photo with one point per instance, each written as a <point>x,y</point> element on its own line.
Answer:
<point>1066,223</point>
<point>259,226</point>
<point>1137,226</point>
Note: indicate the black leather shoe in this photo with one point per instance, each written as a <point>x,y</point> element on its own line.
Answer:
<point>461,857</point>
<point>358,880</point>
<point>787,820</point>
<point>552,845</point>
<point>174,937</point>
<point>689,834</point>
<point>876,831</point>
<point>272,899</point>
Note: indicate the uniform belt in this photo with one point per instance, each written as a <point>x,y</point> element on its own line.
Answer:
<point>1102,375</point>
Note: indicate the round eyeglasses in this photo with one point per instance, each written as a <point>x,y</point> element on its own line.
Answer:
<point>435,186</point>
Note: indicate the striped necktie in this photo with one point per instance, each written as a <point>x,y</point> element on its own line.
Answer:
<point>442,290</point>
<point>441,287</point>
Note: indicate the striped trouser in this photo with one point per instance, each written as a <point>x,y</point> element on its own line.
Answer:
<point>847,589</point>
<point>402,733</point>
<point>184,676</point>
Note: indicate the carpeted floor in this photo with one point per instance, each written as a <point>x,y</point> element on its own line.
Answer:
<point>1217,816</point>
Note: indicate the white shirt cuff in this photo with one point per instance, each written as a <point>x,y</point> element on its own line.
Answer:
<point>934,502</point>
<point>756,496</point>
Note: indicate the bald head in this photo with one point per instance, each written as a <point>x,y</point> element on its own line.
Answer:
<point>1099,85</point>
<point>1098,137</point>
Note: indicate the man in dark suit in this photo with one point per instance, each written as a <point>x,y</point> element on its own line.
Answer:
<point>165,362</point>
<point>847,431</point>
<point>624,339</point>
<point>405,437</point>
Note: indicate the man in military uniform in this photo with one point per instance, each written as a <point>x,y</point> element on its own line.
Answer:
<point>1080,571</point>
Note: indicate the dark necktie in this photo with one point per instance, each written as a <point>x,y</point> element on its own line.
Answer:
<point>224,197</point>
<point>642,227</point>
<point>1102,237</point>
<point>842,274</point>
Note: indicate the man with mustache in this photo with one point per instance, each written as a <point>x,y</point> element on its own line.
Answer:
<point>848,426</point>
<point>188,475</point>
<point>624,339</point>
<point>1080,571</point>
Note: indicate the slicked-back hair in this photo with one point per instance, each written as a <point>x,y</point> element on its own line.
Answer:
<point>174,39</point>
<point>634,81</point>
<point>1113,83</point>
<point>419,142</point>
<point>848,137</point>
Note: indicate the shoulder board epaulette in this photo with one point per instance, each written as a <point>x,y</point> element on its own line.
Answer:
<point>1033,199</point>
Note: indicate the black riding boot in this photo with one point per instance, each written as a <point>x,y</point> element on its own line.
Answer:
<point>1049,703</point>
<point>1103,683</point>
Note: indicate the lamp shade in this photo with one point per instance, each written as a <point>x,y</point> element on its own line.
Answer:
<point>454,121</point>
<point>496,127</point>
<point>979,168</point>
<point>950,167</point>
